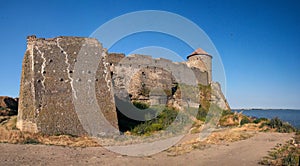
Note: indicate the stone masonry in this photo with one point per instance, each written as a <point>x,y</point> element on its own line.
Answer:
<point>69,85</point>
<point>47,94</point>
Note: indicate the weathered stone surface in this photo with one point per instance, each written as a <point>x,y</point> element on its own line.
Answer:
<point>8,106</point>
<point>137,75</point>
<point>153,81</point>
<point>217,96</point>
<point>68,85</point>
<point>152,85</point>
<point>48,94</point>
<point>201,60</point>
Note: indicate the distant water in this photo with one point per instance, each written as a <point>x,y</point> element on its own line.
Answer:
<point>290,116</point>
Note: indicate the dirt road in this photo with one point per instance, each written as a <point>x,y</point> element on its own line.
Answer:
<point>245,152</point>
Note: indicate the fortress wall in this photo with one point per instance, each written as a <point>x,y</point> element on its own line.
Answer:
<point>115,58</point>
<point>50,87</point>
<point>68,85</point>
<point>135,72</point>
<point>217,96</point>
<point>26,120</point>
<point>151,80</point>
<point>181,72</point>
<point>201,76</point>
<point>54,95</point>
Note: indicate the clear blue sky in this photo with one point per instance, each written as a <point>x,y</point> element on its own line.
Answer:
<point>258,41</point>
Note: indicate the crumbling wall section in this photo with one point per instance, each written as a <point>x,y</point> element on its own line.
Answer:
<point>137,76</point>
<point>217,96</point>
<point>48,93</point>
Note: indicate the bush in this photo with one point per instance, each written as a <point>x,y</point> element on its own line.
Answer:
<point>213,111</point>
<point>140,105</point>
<point>258,120</point>
<point>291,159</point>
<point>201,115</point>
<point>205,91</point>
<point>235,117</point>
<point>286,154</point>
<point>280,126</point>
<point>161,122</point>
<point>245,120</point>
<point>156,126</point>
<point>227,112</point>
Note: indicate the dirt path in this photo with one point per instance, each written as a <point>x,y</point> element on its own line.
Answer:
<point>245,152</point>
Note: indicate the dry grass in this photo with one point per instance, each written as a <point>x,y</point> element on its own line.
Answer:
<point>228,136</point>
<point>235,132</point>
<point>223,136</point>
<point>187,147</point>
<point>10,134</point>
<point>286,154</point>
<point>196,126</point>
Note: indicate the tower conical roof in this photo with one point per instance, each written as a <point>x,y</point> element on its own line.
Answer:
<point>198,51</point>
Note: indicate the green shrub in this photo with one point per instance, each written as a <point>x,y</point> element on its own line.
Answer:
<point>156,126</point>
<point>167,116</point>
<point>227,112</point>
<point>280,126</point>
<point>258,120</point>
<point>211,112</point>
<point>205,91</point>
<point>202,113</point>
<point>245,120</point>
<point>291,159</point>
<point>235,117</point>
<point>286,154</point>
<point>161,122</point>
<point>140,105</point>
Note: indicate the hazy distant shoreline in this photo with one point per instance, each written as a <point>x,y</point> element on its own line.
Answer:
<point>249,109</point>
<point>291,116</point>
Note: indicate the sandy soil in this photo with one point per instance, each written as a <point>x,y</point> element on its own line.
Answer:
<point>245,152</point>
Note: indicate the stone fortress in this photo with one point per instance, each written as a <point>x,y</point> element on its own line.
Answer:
<point>65,78</point>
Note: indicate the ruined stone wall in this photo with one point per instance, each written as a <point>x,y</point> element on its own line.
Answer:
<point>202,77</point>
<point>217,96</point>
<point>152,85</point>
<point>68,85</point>
<point>182,73</point>
<point>115,58</point>
<point>139,75</point>
<point>52,86</point>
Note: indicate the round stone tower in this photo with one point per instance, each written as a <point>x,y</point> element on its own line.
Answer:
<point>202,60</point>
